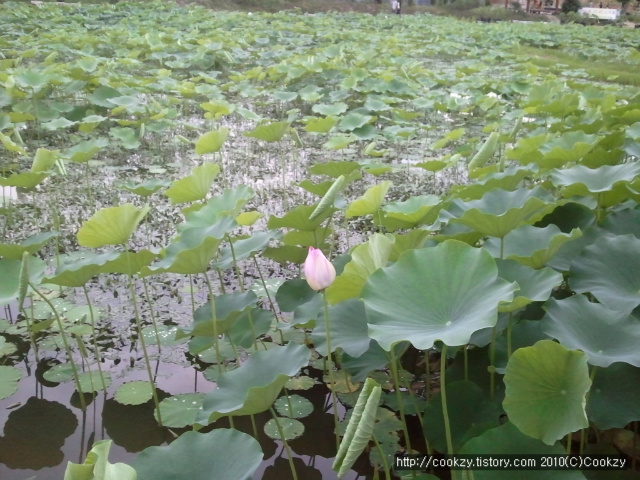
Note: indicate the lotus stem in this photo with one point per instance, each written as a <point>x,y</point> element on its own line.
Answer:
<point>214,320</point>
<point>153,315</point>
<point>509,335</point>
<point>32,338</point>
<point>396,386</point>
<point>492,368</point>
<point>466,362</point>
<point>385,464</point>
<point>235,265</point>
<point>76,379</point>
<point>284,441</point>
<point>330,368</point>
<point>94,337</point>
<point>443,396</point>
<point>266,290</point>
<point>144,349</point>
<point>193,301</point>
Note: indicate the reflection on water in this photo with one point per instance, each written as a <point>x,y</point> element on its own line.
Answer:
<point>35,433</point>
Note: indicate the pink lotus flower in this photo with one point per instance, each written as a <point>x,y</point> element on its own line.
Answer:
<point>318,270</point>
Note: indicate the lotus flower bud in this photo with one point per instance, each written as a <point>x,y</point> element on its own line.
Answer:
<point>318,270</point>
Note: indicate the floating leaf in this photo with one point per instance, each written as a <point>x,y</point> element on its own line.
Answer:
<point>111,226</point>
<point>147,188</point>
<point>291,428</point>
<point>181,410</point>
<point>546,385</point>
<point>9,377</point>
<point>293,406</point>
<point>91,382</point>
<point>134,393</point>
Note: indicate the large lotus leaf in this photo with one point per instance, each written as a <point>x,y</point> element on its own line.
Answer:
<point>195,186</point>
<point>353,121</point>
<point>408,241</point>
<point>531,246</point>
<point>546,387</point>
<point>211,142</point>
<point>509,180</point>
<point>229,203</point>
<point>471,413</point>
<point>9,377</point>
<point>84,151</point>
<point>29,245</point>
<point>370,202</point>
<point>375,358</point>
<point>286,254</point>
<point>77,273</point>
<point>253,387</point>
<point>525,333</point>
<point>244,248</point>
<point>111,226</point>
<point>568,147</point>
<point>249,325</point>
<point>347,326</point>
<point>330,109</point>
<point>535,285</point>
<point>271,132</point>
<point>610,270</point>
<point>581,181</point>
<point>508,440</point>
<point>223,454</point>
<point>192,252</point>
<point>605,335</point>
<point>320,124</point>
<point>365,259</point>
<point>228,308</point>
<point>10,275</point>
<point>128,136</point>
<point>147,188</point>
<point>293,293</point>
<point>499,211</point>
<point>418,210</point>
<point>44,160</point>
<point>623,222</point>
<point>26,180</point>
<point>129,263</point>
<point>334,169</point>
<point>11,145</point>
<point>614,400</point>
<point>97,466</point>
<point>441,293</point>
<point>298,218</point>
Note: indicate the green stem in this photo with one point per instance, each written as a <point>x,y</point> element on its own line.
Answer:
<point>284,441</point>
<point>153,315</point>
<point>332,382</point>
<point>443,395</point>
<point>215,322</point>
<point>509,335</point>
<point>76,379</point>
<point>235,265</point>
<point>466,362</point>
<point>94,337</point>
<point>396,386</point>
<point>152,384</point>
<point>266,290</point>
<point>385,464</point>
<point>492,368</point>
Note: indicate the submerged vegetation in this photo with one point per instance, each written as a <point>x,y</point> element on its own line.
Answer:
<point>170,175</point>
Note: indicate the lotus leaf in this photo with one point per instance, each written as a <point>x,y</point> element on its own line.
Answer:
<point>441,293</point>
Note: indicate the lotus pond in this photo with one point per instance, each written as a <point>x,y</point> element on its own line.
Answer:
<point>166,169</point>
